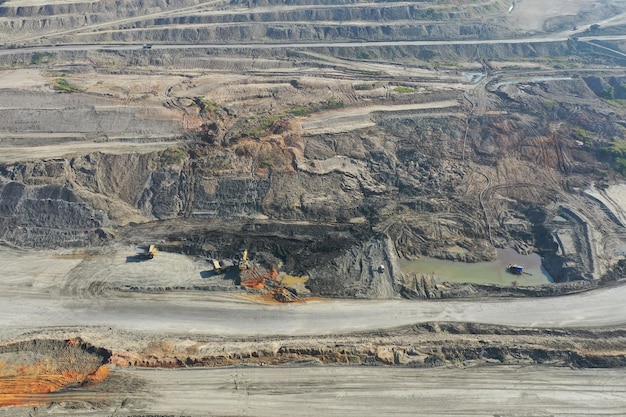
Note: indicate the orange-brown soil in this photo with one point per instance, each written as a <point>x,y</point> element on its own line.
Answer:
<point>27,370</point>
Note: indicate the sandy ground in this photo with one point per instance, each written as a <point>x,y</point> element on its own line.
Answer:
<point>613,198</point>
<point>12,154</point>
<point>356,391</point>
<point>532,14</point>
<point>359,118</point>
<point>66,292</point>
<point>23,79</point>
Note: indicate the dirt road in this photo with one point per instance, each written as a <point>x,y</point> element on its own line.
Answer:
<point>356,391</point>
<point>196,315</point>
<point>311,45</point>
<point>349,391</point>
<point>94,292</point>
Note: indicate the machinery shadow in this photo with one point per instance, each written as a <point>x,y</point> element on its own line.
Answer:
<point>136,258</point>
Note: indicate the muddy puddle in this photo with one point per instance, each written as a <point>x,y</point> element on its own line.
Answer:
<point>483,272</point>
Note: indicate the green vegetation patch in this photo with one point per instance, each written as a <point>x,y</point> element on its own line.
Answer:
<point>403,89</point>
<point>299,111</point>
<point>173,156</point>
<point>582,134</point>
<point>62,85</point>
<point>39,57</point>
<point>617,152</point>
<point>550,104</point>
<point>621,103</point>
<point>206,106</point>
<point>260,125</point>
<point>331,104</point>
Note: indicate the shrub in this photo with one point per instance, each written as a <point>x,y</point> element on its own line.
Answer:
<point>62,85</point>
<point>403,89</point>
<point>617,153</point>
<point>173,156</point>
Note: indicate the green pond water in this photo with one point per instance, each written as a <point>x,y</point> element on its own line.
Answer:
<point>483,272</point>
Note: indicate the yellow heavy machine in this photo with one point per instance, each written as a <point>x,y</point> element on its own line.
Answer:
<point>217,268</point>
<point>146,252</point>
<point>243,263</point>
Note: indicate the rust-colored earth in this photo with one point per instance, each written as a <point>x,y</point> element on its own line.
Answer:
<point>27,371</point>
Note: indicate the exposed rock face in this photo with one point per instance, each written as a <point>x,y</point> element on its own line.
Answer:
<point>111,182</point>
<point>408,186</point>
<point>255,21</point>
<point>48,215</point>
<point>230,197</point>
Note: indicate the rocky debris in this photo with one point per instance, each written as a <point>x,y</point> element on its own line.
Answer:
<point>426,345</point>
<point>367,270</point>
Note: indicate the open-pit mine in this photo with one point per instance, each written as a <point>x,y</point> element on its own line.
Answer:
<point>313,207</point>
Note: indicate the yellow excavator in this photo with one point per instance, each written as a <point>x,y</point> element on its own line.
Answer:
<point>243,263</point>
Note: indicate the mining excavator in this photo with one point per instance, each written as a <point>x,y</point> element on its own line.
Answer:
<point>255,277</point>
<point>243,263</point>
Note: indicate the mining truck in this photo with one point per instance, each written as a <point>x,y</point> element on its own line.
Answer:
<point>146,252</point>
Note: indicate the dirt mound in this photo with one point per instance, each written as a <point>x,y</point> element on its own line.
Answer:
<point>30,370</point>
<point>418,346</point>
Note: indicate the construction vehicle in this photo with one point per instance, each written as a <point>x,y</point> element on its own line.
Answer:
<point>515,269</point>
<point>267,282</point>
<point>243,263</point>
<point>217,268</point>
<point>221,266</point>
<point>263,282</point>
<point>146,252</point>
